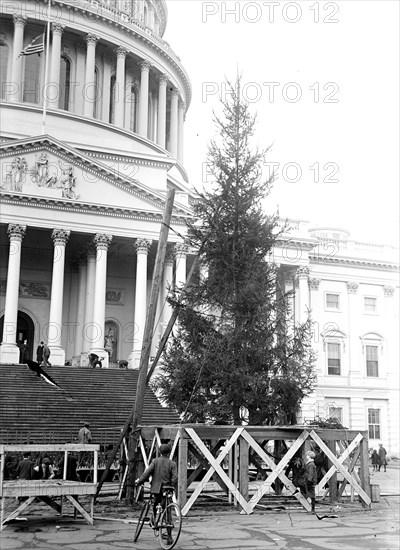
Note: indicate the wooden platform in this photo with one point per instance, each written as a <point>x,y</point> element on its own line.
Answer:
<point>50,489</point>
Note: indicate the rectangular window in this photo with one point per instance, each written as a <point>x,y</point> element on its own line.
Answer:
<point>372,360</point>
<point>374,423</point>
<point>369,304</point>
<point>334,359</point>
<point>336,413</point>
<point>332,301</point>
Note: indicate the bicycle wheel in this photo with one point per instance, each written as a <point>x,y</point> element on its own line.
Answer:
<point>142,518</point>
<point>170,526</point>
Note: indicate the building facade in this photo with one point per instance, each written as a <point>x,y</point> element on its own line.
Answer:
<point>351,291</point>
<point>88,155</point>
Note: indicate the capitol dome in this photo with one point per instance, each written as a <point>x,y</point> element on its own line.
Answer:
<point>91,141</point>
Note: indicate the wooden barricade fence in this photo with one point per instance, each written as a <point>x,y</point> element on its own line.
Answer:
<point>214,446</point>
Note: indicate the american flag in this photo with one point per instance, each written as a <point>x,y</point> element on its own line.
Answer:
<point>36,46</point>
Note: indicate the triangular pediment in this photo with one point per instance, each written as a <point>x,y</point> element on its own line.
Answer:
<point>45,168</point>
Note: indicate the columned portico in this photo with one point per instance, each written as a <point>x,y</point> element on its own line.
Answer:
<point>60,239</point>
<point>9,351</point>
<point>53,90</point>
<point>15,90</point>
<point>142,250</point>
<point>102,242</point>
<point>144,99</point>
<point>89,92</point>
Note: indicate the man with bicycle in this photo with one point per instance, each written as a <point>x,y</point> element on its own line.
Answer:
<point>163,471</point>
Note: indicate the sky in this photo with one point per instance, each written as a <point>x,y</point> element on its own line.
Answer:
<point>323,79</point>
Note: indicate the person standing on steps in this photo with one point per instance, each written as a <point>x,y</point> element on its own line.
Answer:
<point>39,353</point>
<point>46,355</point>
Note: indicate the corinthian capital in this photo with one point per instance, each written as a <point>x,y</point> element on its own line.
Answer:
<point>388,290</point>
<point>303,272</point>
<point>145,65</point>
<point>142,246</point>
<point>60,236</point>
<point>102,241</point>
<point>57,28</point>
<point>16,232</point>
<point>314,283</point>
<point>91,39</point>
<point>181,249</point>
<point>352,287</point>
<point>121,52</point>
<point>19,20</point>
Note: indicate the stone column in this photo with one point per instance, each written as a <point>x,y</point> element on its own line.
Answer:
<point>80,313</point>
<point>79,78</point>
<point>162,110</point>
<point>15,89</point>
<point>304,303</point>
<point>89,92</point>
<point>119,96</point>
<point>356,370</point>
<point>9,351</point>
<point>181,250</point>
<point>87,329</point>
<point>142,250</point>
<point>173,144</point>
<point>181,120</point>
<point>53,89</point>
<point>102,242</point>
<point>108,63</point>
<point>60,239</point>
<point>144,99</point>
<point>128,99</point>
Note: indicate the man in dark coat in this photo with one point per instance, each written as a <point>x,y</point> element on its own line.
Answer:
<point>163,472</point>
<point>39,353</point>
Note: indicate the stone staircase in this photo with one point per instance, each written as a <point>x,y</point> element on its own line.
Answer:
<point>33,411</point>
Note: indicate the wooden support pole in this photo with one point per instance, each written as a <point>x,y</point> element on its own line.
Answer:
<point>333,489</point>
<point>244,468</point>
<point>364,470</point>
<point>277,453</point>
<point>182,468</point>
<point>136,413</point>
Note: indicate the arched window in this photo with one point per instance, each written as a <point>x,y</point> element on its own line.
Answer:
<point>32,78</point>
<point>3,69</point>
<point>145,16</point>
<point>112,99</point>
<point>133,100</point>
<point>65,82</point>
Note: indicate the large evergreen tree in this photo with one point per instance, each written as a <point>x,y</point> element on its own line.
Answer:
<point>235,349</point>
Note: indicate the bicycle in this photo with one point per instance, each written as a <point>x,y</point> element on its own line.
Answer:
<point>167,522</point>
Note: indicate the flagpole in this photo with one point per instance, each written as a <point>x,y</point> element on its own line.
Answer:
<point>46,69</point>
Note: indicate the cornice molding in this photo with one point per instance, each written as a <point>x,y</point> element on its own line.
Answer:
<point>86,208</point>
